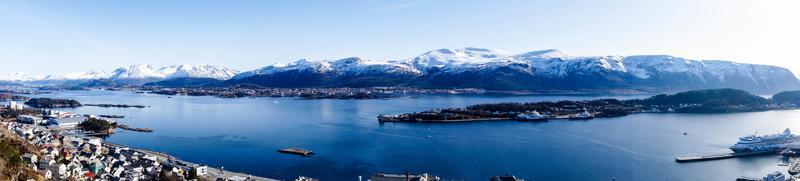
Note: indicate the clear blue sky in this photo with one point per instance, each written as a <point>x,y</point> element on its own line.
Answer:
<point>49,37</point>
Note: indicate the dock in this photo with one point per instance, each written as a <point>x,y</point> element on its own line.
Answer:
<point>720,156</point>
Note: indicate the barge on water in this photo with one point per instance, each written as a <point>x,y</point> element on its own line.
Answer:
<point>297,151</point>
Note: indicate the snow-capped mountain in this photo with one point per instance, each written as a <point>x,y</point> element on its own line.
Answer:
<point>93,74</point>
<point>133,74</point>
<point>457,58</point>
<point>198,71</point>
<point>18,77</point>
<point>536,70</point>
<point>543,70</point>
<point>354,71</point>
<point>143,73</point>
<point>347,66</point>
<point>140,71</point>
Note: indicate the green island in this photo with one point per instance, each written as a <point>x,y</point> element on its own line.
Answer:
<point>697,101</point>
<point>52,103</point>
<point>95,125</point>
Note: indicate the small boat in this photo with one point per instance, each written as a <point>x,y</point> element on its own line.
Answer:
<point>787,152</point>
<point>430,137</point>
<point>297,151</point>
<point>533,116</point>
<point>684,133</point>
<point>276,102</point>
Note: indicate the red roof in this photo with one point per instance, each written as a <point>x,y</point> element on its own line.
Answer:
<point>89,175</point>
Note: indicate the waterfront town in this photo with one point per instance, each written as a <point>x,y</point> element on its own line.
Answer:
<point>64,147</point>
<point>64,151</point>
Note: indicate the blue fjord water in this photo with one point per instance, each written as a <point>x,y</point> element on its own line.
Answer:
<point>242,134</point>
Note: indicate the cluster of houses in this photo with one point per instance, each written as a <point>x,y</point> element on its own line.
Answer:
<point>72,157</point>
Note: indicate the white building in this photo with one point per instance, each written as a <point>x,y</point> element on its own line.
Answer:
<point>57,114</point>
<point>15,106</point>
<point>28,119</point>
<point>67,122</point>
<point>201,170</point>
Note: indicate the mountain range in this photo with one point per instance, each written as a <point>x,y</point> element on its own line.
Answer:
<point>130,75</point>
<point>543,70</point>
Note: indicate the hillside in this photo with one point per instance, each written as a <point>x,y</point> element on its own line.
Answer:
<point>544,70</point>
<point>12,167</point>
<point>792,97</point>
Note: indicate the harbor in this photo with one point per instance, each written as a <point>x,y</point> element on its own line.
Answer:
<point>349,137</point>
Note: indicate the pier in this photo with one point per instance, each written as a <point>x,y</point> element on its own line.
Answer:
<point>696,158</point>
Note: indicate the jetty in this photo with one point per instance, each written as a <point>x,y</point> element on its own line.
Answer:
<point>696,158</point>
<point>111,116</point>
<point>297,151</point>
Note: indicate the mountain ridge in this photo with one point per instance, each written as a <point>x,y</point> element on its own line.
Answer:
<point>549,69</point>
<point>540,70</point>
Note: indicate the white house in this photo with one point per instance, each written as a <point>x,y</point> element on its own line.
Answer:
<point>15,106</point>
<point>201,169</point>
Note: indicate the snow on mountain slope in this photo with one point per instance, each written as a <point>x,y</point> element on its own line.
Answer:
<point>301,64</point>
<point>144,71</point>
<point>49,79</point>
<point>549,68</point>
<point>546,63</point>
<point>18,77</point>
<point>94,74</point>
<point>140,71</point>
<point>560,65</point>
<point>350,66</point>
<point>543,69</point>
<point>454,58</point>
<point>644,66</point>
<point>197,71</point>
<point>357,65</point>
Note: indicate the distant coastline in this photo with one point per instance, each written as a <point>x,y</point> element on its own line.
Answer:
<point>699,101</point>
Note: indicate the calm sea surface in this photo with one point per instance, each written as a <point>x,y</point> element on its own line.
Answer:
<point>242,134</point>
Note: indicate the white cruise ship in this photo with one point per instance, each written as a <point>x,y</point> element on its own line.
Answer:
<point>774,142</point>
